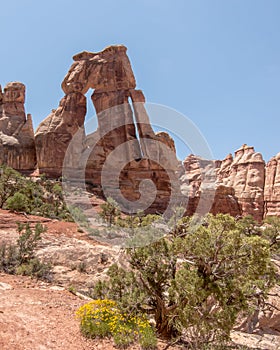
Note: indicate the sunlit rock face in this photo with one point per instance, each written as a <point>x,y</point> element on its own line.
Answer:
<point>17,147</point>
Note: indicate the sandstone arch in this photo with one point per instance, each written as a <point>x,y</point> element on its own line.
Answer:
<point>110,75</point>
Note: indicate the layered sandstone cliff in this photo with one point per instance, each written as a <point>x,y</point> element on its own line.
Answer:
<point>17,147</point>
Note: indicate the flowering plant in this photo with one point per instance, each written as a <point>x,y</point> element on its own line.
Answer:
<point>103,318</point>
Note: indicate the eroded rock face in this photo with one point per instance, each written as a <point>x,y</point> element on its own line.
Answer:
<point>205,192</point>
<point>239,182</point>
<point>17,147</point>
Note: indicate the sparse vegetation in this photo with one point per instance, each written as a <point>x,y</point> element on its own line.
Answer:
<point>20,258</point>
<point>10,183</point>
<point>82,267</point>
<point>40,196</point>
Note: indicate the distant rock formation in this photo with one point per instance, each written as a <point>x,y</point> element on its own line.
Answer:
<point>205,192</point>
<point>245,173</point>
<point>240,182</point>
<point>17,147</point>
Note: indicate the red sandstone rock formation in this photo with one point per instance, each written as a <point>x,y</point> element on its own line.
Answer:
<point>239,185</point>
<point>204,192</point>
<point>239,180</point>
<point>17,148</point>
<point>113,150</point>
<point>234,185</point>
<point>246,175</point>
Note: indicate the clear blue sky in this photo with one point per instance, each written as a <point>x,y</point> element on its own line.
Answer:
<point>215,61</point>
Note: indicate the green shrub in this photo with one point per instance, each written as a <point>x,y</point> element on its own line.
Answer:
<point>28,241</point>
<point>35,268</point>
<point>10,182</point>
<point>78,215</point>
<point>124,337</point>
<point>33,196</point>
<point>20,258</point>
<point>147,338</point>
<point>271,232</point>
<point>8,258</point>
<point>110,211</point>
<point>18,202</point>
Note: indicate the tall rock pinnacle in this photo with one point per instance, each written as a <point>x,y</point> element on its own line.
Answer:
<point>17,147</point>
